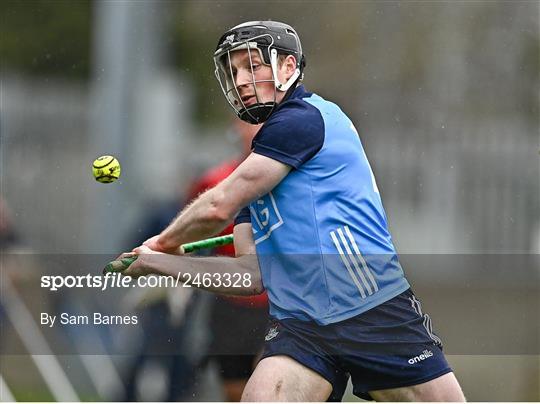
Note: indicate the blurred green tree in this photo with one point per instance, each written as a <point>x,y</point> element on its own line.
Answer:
<point>46,37</point>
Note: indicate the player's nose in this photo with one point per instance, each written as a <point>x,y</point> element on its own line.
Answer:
<point>243,77</point>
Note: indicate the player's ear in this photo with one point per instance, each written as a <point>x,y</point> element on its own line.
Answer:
<point>290,65</point>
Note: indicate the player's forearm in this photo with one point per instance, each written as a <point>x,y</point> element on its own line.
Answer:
<point>207,216</point>
<point>225,275</point>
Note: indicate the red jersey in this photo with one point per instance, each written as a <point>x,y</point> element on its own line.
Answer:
<point>208,180</point>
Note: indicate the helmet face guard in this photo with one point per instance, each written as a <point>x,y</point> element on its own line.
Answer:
<point>256,37</point>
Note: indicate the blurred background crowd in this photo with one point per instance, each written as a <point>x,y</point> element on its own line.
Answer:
<point>445,96</point>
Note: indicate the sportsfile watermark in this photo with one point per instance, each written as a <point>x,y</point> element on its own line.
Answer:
<point>116,280</point>
<point>477,304</point>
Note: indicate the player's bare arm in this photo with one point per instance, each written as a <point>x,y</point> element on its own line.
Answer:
<point>212,211</point>
<point>187,268</point>
<point>243,240</point>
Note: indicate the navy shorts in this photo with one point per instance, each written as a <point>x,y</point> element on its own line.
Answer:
<point>389,346</point>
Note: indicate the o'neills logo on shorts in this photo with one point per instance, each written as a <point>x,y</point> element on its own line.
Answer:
<point>423,356</point>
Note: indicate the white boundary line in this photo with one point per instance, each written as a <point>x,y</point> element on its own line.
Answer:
<point>31,337</point>
<point>5,392</point>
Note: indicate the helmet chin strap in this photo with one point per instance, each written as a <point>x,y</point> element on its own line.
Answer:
<point>277,83</point>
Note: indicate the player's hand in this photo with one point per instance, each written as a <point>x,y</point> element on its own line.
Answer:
<point>154,244</point>
<point>145,250</point>
<point>141,266</point>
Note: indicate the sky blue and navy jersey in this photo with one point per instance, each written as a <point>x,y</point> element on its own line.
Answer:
<point>321,234</point>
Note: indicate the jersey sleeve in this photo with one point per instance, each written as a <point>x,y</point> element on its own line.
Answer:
<point>244,216</point>
<point>292,135</point>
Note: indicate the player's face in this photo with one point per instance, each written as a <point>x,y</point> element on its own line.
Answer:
<point>246,71</point>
